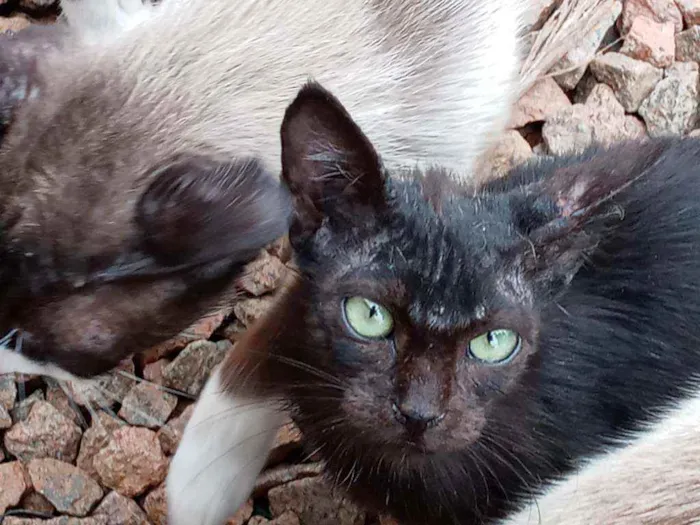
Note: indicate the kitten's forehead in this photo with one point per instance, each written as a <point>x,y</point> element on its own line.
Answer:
<point>447,259</point>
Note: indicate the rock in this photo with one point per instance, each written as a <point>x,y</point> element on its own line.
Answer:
<point>510,151</point>
<point>287,518</point>
<point>601,119</point>
<point>574,63</point>
<point>688,45</point>
<point>538,13</point>
<point>69,489</point>
<point>585,86</point>
<point>95,439</point>
<point>37,503</point>
<point>631,80</point>
<point>690,9</point>
<point>543,99</point>
<point>650,41</point>
<point>281,249</point>
<point>263,275</point>
<point>313,501</point>
<point>661,11</point>
<point>58,398</point>
<point>610,123</point>
<point>14,23</point>
<point>171,434</point>
<point>672,107</point>
<point>5,418</point>
<point>153,372</point>
<point>250,310</point>
<point>147,406</point>
<point>202,329</point>
<point>14,483</point>
<point>118,509</point>
<point>46,433</point>
<point>106,390</point>
<point>131,462</point>
<point>233,330</point>
<point>22,409</point>
<point>242,514</point>
<point>156,506</point>
<point>189,370</point>
<point>63,520</point>
<point>288,439</point>
<point>8,392</point>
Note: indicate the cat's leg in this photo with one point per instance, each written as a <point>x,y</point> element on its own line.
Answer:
<point>222,451</point>
<point>655,480</point>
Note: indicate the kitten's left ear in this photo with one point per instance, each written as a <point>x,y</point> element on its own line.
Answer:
<point>329,165</point>
<point>562,217</point>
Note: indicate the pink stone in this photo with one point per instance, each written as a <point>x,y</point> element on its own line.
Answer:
<point>651,41</point>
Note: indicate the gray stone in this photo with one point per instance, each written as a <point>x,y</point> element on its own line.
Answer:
<point>147,406</point>
<point>189,370</point>
<point>688,45</point>
<point>672,107</point>
<point>631,80</point>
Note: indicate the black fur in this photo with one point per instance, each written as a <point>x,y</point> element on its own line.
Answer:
<point>595,256</point>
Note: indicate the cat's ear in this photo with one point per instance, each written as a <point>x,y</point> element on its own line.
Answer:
<point>564,216</point>
<point>328,163</point>
<point>200,209</point>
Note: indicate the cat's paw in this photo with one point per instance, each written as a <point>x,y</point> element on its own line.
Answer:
<point>223,449</point>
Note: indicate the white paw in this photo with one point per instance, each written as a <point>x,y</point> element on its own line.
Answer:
<point>14,362</point>
<point>222,451</point>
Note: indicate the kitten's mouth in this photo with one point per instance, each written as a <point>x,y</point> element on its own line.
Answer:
<point>416,445</point>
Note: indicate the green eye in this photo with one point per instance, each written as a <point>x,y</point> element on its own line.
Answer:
<point>367,318</point>
<point>495,346</point>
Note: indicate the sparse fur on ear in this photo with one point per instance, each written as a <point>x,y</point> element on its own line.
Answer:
<point>330,166</point>
<point>202,209</point>
<point>562,217</point>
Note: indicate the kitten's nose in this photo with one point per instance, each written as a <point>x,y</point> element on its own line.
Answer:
<point>417,417</point>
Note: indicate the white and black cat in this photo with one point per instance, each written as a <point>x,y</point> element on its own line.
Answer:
<point>450,352</point>
<point>140,170</point>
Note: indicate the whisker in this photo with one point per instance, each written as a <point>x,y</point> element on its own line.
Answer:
<point>162,388</point>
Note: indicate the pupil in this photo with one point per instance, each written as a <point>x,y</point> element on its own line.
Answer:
<point>493,338</point>
<point>372,311</point>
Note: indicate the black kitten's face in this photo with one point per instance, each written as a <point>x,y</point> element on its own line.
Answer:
<point>427,343</point>
<point>413,327</point>
<point>111,242</point>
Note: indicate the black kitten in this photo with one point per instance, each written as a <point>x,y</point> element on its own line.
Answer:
<point>449,352</point>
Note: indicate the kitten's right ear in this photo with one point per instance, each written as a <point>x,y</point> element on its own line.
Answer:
<point>329,165</point>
